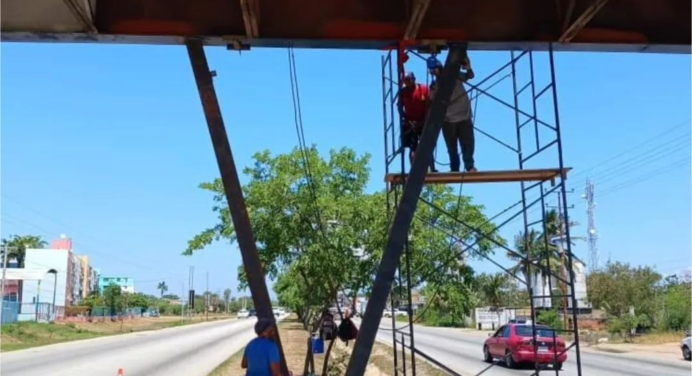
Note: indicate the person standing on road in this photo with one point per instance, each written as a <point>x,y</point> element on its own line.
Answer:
<point>457,128</point>
<point>261,357</point>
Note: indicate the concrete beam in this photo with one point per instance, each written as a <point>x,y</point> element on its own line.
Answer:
<point>420,9</point>
<point>579,24</point>
<point>82,14</point>
<point>251,17</point>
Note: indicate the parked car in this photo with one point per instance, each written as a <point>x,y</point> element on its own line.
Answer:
<point>251,313</point>
<point>397,312</point>
<point>686,347</point>
<point>243,314</point>
<point>513,343</point>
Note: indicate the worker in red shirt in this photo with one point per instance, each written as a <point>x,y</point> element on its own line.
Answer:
<point>414,99</point>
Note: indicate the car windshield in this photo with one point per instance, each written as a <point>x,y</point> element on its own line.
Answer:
<point>541,331</point>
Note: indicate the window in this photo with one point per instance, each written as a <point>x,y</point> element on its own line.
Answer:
<point>506,332</point>
<point>541,331</point>
<point>499,332</point>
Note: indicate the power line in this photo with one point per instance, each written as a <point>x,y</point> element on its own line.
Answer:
<point>648,157</point>
<point>298,118</point>
<point>633,148</point>
<point>647,176</point>
<point>26,224</point>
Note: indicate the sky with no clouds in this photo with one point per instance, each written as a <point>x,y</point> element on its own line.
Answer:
<point>108,145</point>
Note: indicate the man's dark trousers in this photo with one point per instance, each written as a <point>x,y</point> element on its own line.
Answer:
<point>460,133</point>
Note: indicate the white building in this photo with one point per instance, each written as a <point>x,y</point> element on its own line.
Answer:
<point>541,287</point>
<point>68,287</point>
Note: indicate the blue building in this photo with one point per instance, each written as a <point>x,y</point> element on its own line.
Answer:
<point>126,284</point>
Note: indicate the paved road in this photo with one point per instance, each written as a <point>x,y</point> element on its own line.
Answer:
<point>193,350</point>
<point>462,352</point>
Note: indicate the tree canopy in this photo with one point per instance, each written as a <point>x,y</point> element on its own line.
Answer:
<point>322,232</point>
<point>17,245</point>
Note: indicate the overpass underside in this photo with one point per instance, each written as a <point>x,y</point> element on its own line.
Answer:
<point>575,25</point>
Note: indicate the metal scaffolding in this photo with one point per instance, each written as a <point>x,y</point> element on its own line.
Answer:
<point>538,143</point>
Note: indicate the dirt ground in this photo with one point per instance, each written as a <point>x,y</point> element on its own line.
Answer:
<point>295,341</point>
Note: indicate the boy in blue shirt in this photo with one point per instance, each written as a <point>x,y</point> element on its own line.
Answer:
<point>261,357</point>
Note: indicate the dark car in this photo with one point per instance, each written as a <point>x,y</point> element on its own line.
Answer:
<point>513,343</point>
<point>251,312</point>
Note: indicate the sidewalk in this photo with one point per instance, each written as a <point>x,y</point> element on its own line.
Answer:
<point>666,352</point>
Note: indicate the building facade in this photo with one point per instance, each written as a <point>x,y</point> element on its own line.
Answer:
<point>89,277</point>
<point>37,294</point>
<point>74,275</point>
<point>126,284</point>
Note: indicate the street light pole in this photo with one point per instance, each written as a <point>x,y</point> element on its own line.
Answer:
<point>55,290</point>
<point>2,284</point>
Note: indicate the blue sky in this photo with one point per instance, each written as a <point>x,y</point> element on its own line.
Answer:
<point>108,144</point>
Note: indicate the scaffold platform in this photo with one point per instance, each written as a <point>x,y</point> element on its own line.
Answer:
<point>500,176</point>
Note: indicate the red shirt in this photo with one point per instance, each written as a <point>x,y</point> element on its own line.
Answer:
<point>415,102</point>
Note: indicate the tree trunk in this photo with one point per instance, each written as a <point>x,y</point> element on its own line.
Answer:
<point>308,357</point>
<point>326,357</point>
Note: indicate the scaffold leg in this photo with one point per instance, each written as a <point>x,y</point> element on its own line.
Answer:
<point>403,217</point>
<point>231,184</point>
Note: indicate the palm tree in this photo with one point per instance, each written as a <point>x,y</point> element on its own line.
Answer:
<point>227,297</point>
<point>546,258</point>
<point>17,245</point>
<point>163,287</point>
<point>492,288</point>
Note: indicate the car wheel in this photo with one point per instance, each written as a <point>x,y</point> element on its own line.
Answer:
<point>486,355</point>
<point>686,353</point>
<point>509,360</point>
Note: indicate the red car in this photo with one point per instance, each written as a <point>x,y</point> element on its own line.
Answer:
<point>514,344</point>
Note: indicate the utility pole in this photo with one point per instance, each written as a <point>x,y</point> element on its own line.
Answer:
<point>563,288</point>
<point>2,286</point>
<point>191,293</point>
<point>561,233</point>
<point>207,299</point>
<point>182,302</point>
<point>592,233</point>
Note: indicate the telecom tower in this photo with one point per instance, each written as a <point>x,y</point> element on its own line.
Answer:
<point>593,232</point>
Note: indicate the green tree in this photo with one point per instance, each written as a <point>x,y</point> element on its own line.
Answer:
<point>676,304</point>
<point>112,297</point>
<point>619,287</point>
<point>550,318</point>
<point>137,300</point>
<point>326,234</point>
<point>449,303</point>
<point>17,245</point>
<point>492,287</point>
<point>163,287</point>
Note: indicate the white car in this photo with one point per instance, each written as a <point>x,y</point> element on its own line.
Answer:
<point>686,347</point>
<point>243,314</point>
<point>397,312</point>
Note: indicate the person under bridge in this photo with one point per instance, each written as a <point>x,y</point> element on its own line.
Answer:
<point>413,99</point>
<point>457,127</point>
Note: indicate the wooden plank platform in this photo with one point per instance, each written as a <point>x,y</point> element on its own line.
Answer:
<point>504,176</point>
